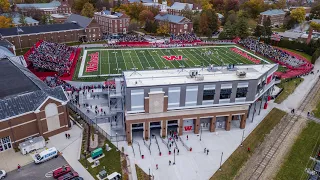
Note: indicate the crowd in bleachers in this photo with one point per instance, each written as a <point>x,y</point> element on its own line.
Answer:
<point>272,52</point>
<point>52,56</point>
<point>132,38</point>
<point>187,37</point>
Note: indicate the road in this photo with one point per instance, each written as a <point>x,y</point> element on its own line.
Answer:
<point>37,172</point>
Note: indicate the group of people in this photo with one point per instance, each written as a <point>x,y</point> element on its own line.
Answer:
<point>132,38</point>
<point>52,56</point>
<point>184,37</point>
<point>272,52</point>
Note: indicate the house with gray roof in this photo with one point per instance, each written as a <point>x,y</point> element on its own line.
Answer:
<point>53,7</point>
<point>177,24</point>
<point>276,16</point>
<point>28,107</point>
<point>29,21</point>
<point>177,7</point>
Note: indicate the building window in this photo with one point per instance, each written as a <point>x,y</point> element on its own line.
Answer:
<point>137,100</point>
<point>208,94</point>
<point>191,95</point>
<point>174,97</point>
<point>5,143</point>
<point>225,93</point>
<point>242,92</point>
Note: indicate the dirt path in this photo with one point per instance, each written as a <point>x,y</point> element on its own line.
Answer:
<point>275,163</point>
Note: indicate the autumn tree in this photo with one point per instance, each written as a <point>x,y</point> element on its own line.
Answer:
<point>187,12</point>
<point>22,20</point>
<point>5,22</point>
<point>78,5</point>
<point>88,10</point>
<point>133,26</point>
<point>204,25</point>
<point>4,6</point>
<point>206,5</point>
<point>218,5</point>
<point>232,5</point>
<point>133,9</point>
<point>146,15</point>
<point>164,28</point>
<point>253,7</point>
<point>151,26</point>
<point>298,14</point>
<point>315,12</point>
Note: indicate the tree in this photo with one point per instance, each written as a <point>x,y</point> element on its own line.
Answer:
<point>46,19</point>
<point>151,26</point>
<point>22,20</point>
<point>102,3</point>
<point>4,6</point>
<point>218,5</point>
<point>133,26</point>
<point>206,5</point>
<point>78,5</point>
<point>242,29</point>
<point>196,23</point>
<point>187,12</point>
<point>204,25</point>
<point>315,12</point>
<point>133,9</point>
<point>315,56</point>
<point>232,5</point>
<point>213,21</point>
<point>88,10</point>
<point>298,14</point>
<point>253,7</point>
<point>228,31</point>
<point>5,22</point>
<point>164,28</point>
<point>315,26</point>
<point>258,31</point>
<point>146,15</point>
<point>281,4</point>
<point>154,10</point>
<point>267,27</point>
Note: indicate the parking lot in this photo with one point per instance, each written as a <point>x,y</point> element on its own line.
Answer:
<point>37,172</point>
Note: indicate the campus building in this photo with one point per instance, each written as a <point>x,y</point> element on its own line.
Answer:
<point>177,24</point>
<point>177,8</point>
<point>54,7</point>
<point>185,100</point>
<point>276,16</point>
<point>112,22</point>
<point>28,107</point>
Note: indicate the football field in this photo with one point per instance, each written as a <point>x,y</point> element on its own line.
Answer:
<point>108,62</point>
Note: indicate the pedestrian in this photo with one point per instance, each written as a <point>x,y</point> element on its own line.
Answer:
<point>308,113</point>
<point>207,151</point>
<point>293,111</point>
<point>249,150</point>
<point>187,137</point>
<point>19,167</point>
<point>66,135</point>
<point>178,152</point>
<point>169,163</point>
<point>156,166</point>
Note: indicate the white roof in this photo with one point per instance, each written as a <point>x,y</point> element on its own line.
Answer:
<point>177,76</point>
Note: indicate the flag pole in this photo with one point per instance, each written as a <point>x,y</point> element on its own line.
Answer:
<point>19,38</point>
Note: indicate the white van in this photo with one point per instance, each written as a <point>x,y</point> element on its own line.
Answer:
<point>45,155</point>
<point>114,176</point>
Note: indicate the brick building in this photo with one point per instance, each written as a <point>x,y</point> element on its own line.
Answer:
<point>177,24</point>
<point>276,17</point>
<point>81,29</point>
<point>54,7</point>
<point>177,7</point>
<point>159,101</point>
<point>112,22</point>
<point>28,107</point>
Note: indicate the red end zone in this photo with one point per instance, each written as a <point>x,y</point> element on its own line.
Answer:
<point>92,64</point>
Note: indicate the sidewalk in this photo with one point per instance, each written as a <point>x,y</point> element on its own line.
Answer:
<point>70,149</point>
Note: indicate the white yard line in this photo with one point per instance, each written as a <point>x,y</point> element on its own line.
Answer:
<point>83,61</point>
<point>161,59</point>
<point>186,60</point>
<point>109,62</point>
<point>125,64</point>
<point>153,59</point>
<point>116,61</point>
<point>253,55</point>
<point>139,59</point>
<point>100,54</point>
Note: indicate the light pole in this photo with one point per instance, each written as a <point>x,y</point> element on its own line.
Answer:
<point>149,174</point>
<point>221,161</point>
<point>242,138</point>
<point>200,131</point>
<point>174,156</point>
<point>117,140</point>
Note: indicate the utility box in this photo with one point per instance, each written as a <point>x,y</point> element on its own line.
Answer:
<point>32,145</point>
<point>96,153</point>
<point>107,147</point>
<point>103,174</point>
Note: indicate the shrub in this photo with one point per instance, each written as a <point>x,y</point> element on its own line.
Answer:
<point>315,56</point>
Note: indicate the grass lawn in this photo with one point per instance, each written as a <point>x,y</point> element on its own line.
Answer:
<point>238,158</point>
<point>111,161</point>
<point>282,68</point>
<point>307,56</point>
<point>288,88</point>
<point>141,175</point>
<point>22,51</point>
<point>298,158</point>
<point>316,111</point>
<point>279,29</point>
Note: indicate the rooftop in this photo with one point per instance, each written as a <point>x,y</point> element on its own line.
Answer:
<point>16,18</point>
<point>38,29</point>
<point>108,13</point>
<point>177,76</point>
<point>273,12</point>
<point>181,6</point>
<point>81,20</point>
<point>170,18</point>
<point>52,4</point>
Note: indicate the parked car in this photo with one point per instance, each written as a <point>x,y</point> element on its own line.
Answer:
<point>78,178</point>
<point>3,174</point>
<point>69,176</point>
<point>45,155</point>
<point>61,171</point>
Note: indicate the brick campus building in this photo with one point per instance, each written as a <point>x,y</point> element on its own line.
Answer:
<point>276,17</point>
<point>184,101</point>
<point>28,107</point>
<point>112,22</point>
<point>76,28</point>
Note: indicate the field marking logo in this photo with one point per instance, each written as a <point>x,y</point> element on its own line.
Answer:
<point>172,58</point>
<point>92,64</point>
<point>187,128</point>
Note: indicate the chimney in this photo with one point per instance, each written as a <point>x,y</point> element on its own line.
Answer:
<point>104,8</point>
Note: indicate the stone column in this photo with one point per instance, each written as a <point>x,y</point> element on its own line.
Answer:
<point>129,133</point>
<point>180,126</point>
<point>213,124</point>
<point>228,122</point>
<point>197,125</point>
<point>243,121</point>
<point>146,130</point>
<point>164,128</point>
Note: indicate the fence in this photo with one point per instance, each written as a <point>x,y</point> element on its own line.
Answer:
<point>138,146</point>
<point>164,142</point>
<point>95,125</point>
<point>157,143</point>
<point>148,146</point>
<point>188,148</point>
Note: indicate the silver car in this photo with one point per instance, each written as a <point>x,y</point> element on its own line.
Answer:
<point>3,174</point>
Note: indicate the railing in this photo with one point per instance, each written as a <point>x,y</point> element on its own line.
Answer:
<point>175,142</point>
<point>157,143</point>
<point>148,146</point>
<point>138,146</point>
<point>164,142</point>
<point>134,154</point>
<point>184,145</point>
<point>95,125</point>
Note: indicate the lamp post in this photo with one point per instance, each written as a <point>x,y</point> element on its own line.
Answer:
<point>117,140</point>
<point>242,138</point>
<point>221,161</point>
<point>149,174</point>
<point>200,131</point>
<point>174,156</point>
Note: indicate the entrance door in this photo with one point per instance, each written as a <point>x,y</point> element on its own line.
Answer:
<point>221,122</point>
<point>5,143</point>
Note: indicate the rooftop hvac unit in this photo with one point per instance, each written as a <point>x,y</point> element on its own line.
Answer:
<point>241,74</point>
<point>193,73</point>
<point>199,77</point>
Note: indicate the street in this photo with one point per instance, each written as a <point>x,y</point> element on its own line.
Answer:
<point>37,172</point>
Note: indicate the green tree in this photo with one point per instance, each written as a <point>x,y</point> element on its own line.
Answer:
<point>298,14</point>
<point>187,12</point>
<point>151,26</point>
<point>45,19</point>
<point>22,20</point>
<point>242,29</point>
<point>228,32</point>
<point>315,56</point>
<point>253,7</point>
<point>78,5</point>
<point>315,12</point>
<point>4,6</point>
<point>163,29</point>
<point>196,23</point>
<point>5,22</point>
<point>258,31</point>
<point>88,10</point>
<point>204,25</point>
<point>213,21</point>
<point>267,27</point>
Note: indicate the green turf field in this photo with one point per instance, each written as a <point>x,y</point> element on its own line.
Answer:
<point>109,62</point>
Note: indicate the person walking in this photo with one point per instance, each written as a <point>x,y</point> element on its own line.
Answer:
<point>19,167</point>
<point>66,135</point>
<point>249,150</point>
<point>187,137</point>
<point>207,151</point>
<point>169,163</point>
<point>156,166</point>
<point>178,152</point>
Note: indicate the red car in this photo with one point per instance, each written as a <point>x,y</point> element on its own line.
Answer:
<point>61,171</point>
<point>69,176</point>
